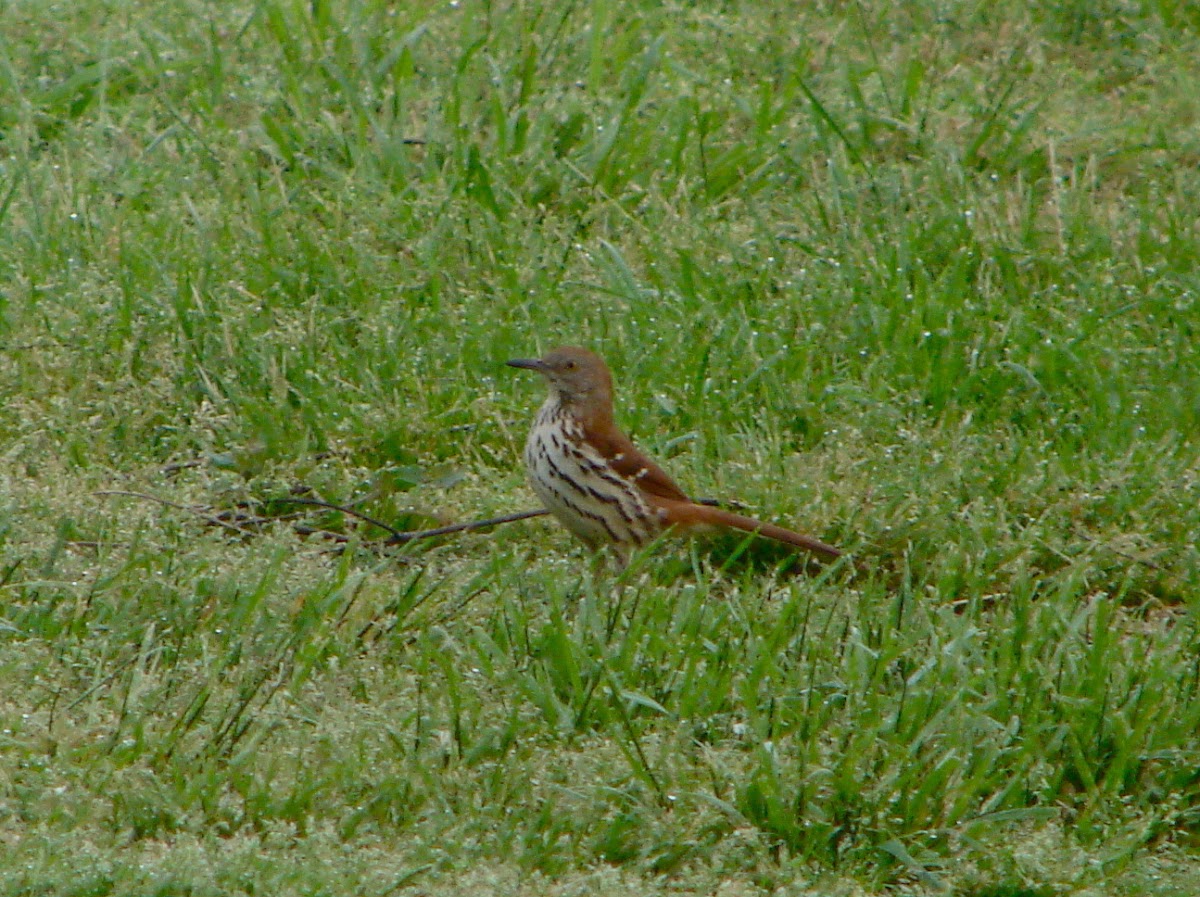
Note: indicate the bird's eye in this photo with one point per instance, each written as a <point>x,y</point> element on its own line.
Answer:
<point>570,365</point>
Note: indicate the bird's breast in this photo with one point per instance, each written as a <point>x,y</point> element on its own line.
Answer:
<point>579,486</point>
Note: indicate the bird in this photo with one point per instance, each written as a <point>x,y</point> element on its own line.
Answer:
<point>598,484</point>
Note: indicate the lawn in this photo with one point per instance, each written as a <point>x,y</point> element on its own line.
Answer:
<point>919,279</point>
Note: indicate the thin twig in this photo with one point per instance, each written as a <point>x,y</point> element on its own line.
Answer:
<point>317,503</point>
<point>464,527</point>
<point>169,469</point>
<point>301,529</point>
<point>146,496</point>
<point>398,537</point>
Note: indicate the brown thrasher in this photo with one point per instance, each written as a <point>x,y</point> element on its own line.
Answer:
<point>592,477</point>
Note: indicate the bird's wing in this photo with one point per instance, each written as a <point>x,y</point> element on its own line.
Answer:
<point>627,460</point>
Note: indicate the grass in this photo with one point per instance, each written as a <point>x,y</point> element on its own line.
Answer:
<point>921,278</point>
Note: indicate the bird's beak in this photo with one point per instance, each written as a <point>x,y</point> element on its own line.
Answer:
<point>530,364</point>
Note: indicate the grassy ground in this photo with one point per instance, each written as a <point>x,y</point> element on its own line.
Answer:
<point>920,277</point>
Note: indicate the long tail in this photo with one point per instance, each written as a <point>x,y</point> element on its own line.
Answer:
<point>690,514</point>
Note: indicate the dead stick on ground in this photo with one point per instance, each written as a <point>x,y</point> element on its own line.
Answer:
<point>465,527</point>
<point>317,503</point>
<point>397,536</point>
<point>401,536</point>
<point>146,496</point>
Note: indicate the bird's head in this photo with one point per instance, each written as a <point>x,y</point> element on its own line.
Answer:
<point>576,375</point>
